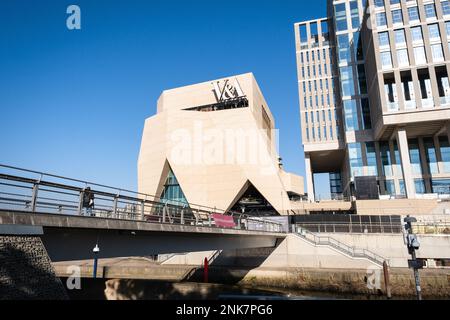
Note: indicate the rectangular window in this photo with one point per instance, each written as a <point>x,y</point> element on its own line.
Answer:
<point>381,19</point>
<point>400,39</point>
<point>385,153</point>
<point>413,14</point>
<point>433,31</point>
<point>347,84</point>
<point>397,17</point>
<point>419,55</point>
<point>445,153</point>
<point>419,186</point>
<point>386,60</point>
<point>430,11</point>
<point>343,48</point>
<point>383,39</point>
<point>351,115</point>
<point>430,153</point>
<point>371,159</point>
<point>437,53</point>
<point>414,155</point>
<point>402,57</point>
<point>445,7</point>
<point>355,157</point>
<point>416,34</point>
<point>340,17</point>
<point>379,3</point>
<point>354,14</point>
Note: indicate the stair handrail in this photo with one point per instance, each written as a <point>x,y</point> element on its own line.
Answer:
<point>352,251</point>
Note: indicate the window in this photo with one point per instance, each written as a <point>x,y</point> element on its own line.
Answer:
<point>433,30</point>
<point>366,113</point>
<point>343,48</point>
<point>437,53</point>
<point>419,55</point>
<point>445,153</point>
<point>414,155</point>
<point>351,115</point>
<point>416,34</point>
<point>430,11</point>
<point>386,60</point>
<point>395,2</point>
<point>383,39</point>
<point>371,159</point>
<point>355,157</point>
<point>379,3</point>
<point>402,57</point>
<point>386,159</point>
<point>381,19</point>
<point>390,187</point>
<point>430,153</point>
<point>413,14</point>
<point>347,84</point>
<point>354,14</point>
<point>400,39</point>
<point>447,27</point>
<point>419,185</point>
<point>445,7</point>
<point>397,17</point>
<point>341,17</point>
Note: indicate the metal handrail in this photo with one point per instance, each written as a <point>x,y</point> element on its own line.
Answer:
<point>113,205</point>
<point>326,240</point>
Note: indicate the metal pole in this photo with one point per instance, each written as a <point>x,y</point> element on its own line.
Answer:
<point>96,250</point>
<point>417,277</point>
<point>387,283</point>
<point>34,197</point>
<point>142,210</point>
<point>80,203</point>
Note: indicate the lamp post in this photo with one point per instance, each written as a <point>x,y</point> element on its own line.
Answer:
<point>96,250</point>
<point>413,245</point>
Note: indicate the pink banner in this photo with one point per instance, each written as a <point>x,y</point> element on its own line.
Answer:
<point>223,221</point>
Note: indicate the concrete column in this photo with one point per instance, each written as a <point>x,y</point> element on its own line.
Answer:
<point>447,130</point>
<point>402,142</point>
<point>309,177</point>
<point>426,174</point>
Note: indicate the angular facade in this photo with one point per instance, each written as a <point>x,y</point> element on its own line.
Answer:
<point>391,62</point>
<point>214,144</point>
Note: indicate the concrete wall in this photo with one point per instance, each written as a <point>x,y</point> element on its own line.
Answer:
<point>26,271</point>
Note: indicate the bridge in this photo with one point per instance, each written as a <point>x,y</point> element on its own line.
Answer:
<point>122,222</point>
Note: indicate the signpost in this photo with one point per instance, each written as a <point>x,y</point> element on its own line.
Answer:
<point>413,245</point>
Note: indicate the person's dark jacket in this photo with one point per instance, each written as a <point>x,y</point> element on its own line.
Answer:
<point>88,199</point>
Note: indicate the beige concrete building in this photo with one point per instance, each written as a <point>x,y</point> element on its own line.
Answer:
<point>391,104</point>
<point>214,144</point>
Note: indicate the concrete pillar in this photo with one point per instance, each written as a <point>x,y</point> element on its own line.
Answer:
<point>402,142</point>
<point>447,130</point>
<point>309,177</point>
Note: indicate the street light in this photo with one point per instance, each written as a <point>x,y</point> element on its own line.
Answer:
<point>96,250</point>
<point>413,244</point>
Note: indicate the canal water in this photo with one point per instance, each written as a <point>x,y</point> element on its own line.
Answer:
<point>101,289</point>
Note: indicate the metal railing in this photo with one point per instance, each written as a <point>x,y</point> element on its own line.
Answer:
<point>33,191</point>
<point>345,227</point>
<point>342,247</point>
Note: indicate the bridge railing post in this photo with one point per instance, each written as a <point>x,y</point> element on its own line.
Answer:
<point>164,213</point>
<point>142,217</point>
<point>80,203</point>
<point>209,219</point>
<point>182,216</point>
<point>34,196</point>
<point>116,198</point>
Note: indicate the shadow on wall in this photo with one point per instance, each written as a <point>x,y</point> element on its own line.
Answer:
<point>231,266</point>
<point>26,272</point>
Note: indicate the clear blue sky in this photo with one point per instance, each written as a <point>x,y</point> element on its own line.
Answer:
<point>74,102</point>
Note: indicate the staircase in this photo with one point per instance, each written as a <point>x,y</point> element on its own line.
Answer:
<point>353,252</point>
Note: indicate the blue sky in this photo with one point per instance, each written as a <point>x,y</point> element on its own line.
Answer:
<point>74,102</point>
